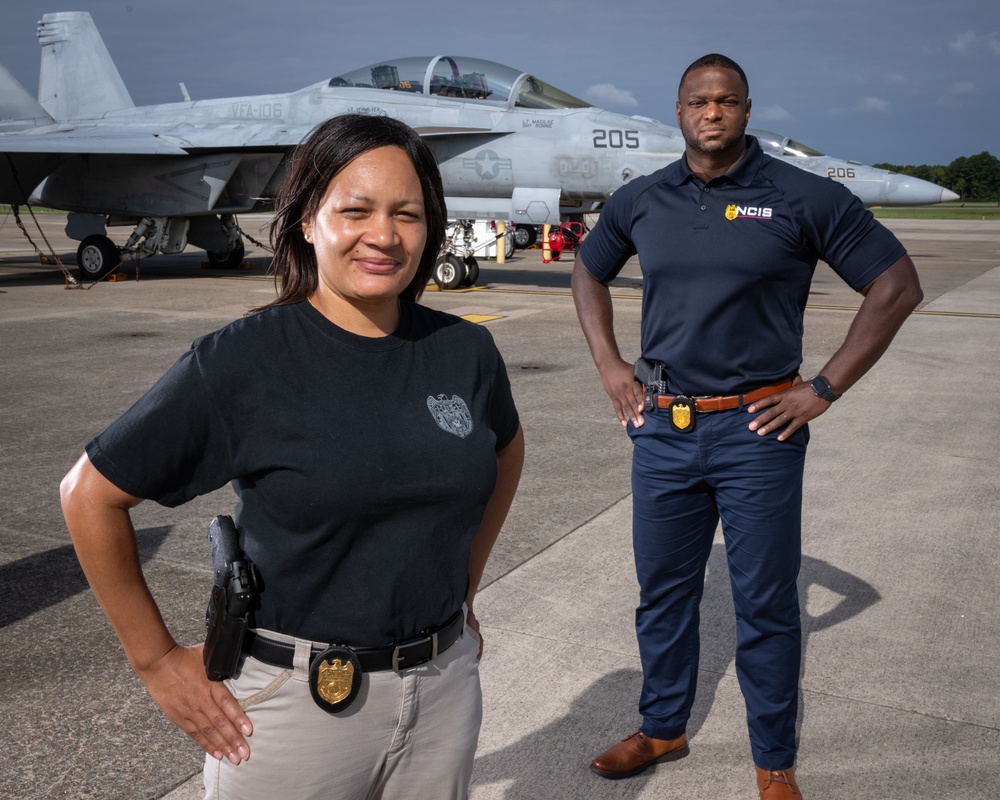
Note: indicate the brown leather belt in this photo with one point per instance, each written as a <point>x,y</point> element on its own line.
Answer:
<point>726,402</point>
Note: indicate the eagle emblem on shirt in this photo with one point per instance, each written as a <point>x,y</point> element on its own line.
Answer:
<point>451,415</point>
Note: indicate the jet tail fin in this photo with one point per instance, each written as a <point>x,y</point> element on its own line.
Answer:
<point>78,79</point>
<point>18,109</point>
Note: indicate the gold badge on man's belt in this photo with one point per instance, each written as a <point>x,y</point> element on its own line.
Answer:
<point>335,678</point>
<point>682,414</point>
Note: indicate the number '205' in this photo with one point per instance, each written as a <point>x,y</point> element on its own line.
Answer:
<point>616,139</point>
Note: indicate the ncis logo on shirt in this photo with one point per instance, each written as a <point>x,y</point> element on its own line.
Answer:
<point>734,211</point>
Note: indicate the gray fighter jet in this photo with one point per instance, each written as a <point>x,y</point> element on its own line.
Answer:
<point>510,147</point>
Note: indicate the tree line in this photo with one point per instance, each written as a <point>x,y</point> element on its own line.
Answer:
<point>975,178</point>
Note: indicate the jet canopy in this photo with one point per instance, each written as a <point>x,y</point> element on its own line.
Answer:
<point>777,145</point>
<point>461,78</point>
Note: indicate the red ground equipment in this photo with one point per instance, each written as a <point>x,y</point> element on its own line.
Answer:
<point>564,237</point>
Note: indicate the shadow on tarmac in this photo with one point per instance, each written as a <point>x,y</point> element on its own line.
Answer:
<point>551,755</point>
<point>14,271</point>
<point>719,624</point>
<point>47,578</point>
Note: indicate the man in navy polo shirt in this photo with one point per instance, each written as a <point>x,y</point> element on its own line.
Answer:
<point>728,239</point>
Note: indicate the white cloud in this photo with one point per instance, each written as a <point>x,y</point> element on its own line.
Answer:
<point>869,105</point>
<point>607,94</point>
<point>953,97</point>
<point>769,114</point>
<point>971,42</point>
<point>873,105</point>
<point>963,42</point>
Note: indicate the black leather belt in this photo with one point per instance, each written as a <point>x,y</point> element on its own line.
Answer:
<point>411,653</point>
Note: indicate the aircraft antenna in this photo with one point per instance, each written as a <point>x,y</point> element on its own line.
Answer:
<point>184,92</point>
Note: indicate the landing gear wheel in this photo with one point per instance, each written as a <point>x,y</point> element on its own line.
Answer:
<point>230,260</point>
<point>524,236</point>
<point>449,272</point>
<point>471,271</point>
<point>97,256</point>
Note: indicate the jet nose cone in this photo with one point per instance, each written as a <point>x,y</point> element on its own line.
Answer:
<point>904,190</point>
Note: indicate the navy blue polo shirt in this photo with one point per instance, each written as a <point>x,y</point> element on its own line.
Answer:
<point>727,264</point>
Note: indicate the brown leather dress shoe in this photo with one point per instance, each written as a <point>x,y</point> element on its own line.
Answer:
<point>778,784</point>
<point>636,752</point>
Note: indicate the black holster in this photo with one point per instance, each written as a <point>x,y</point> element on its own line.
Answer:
<point>653,379</point>
<point>230,603</point>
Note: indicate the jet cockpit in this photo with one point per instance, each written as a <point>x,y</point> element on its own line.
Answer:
<point>774,144</point>
<point>461,78</point>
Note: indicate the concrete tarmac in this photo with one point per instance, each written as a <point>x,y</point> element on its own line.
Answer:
<point>901,675</point>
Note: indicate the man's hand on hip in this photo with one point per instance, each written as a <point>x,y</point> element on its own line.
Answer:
<point>788,410</point>
<point>624,390</point>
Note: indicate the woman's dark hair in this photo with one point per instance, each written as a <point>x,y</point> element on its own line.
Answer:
<point>330,147</point>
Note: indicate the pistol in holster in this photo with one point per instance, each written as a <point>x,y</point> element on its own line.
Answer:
<point>231,602</point>
<point>653,379</point>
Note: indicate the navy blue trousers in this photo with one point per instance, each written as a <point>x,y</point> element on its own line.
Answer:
<point>683,484</point>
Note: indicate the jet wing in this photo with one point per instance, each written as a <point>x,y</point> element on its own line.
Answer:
<point>90,141</point>
<point>35,153</point>
<point>229,137</point>
<point>179,140</point>
<point>150,138</point>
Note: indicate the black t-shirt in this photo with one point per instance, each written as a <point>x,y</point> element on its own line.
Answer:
<point>363,465</point>
<point>727,264</point>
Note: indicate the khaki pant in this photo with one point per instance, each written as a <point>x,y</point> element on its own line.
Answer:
<point>411,734</point>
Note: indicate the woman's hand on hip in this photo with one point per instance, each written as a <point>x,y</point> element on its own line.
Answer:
<point>205,710</point>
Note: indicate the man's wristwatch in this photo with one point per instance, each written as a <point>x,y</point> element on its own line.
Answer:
<point>821,386</point>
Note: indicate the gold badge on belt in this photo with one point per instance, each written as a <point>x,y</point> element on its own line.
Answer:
<point>682,414</point>
<point>335,678</point>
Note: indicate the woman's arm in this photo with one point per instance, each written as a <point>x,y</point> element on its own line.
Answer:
<point>97,515</point>
<point>510,460</point>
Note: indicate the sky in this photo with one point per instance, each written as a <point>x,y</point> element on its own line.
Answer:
<point>914,82</point>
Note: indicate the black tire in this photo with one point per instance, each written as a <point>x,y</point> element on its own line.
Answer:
<point>230,260</point>
<point>449,272</point>
<point>524,236</point>
<point>471,272</point>
<point>97,256</point>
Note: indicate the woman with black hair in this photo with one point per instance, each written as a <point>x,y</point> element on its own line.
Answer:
<point>375,449</point>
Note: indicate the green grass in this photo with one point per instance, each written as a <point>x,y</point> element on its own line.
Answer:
<point>943,211</point>
<point>23,210</point>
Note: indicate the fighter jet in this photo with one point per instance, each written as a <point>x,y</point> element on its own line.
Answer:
<point>510,147</point>
<point>876,187</point>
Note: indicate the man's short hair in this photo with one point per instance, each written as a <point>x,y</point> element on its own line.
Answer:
<point>716,60</point>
